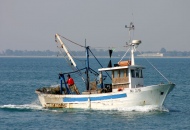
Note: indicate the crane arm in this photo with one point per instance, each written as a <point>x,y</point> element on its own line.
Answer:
<point>65,49</point>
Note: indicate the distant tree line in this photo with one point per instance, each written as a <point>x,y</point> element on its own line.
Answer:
<point>96,52</point>
<point>9,52</point>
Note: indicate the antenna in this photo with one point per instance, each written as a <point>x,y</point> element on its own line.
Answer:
<point>131,27</point>
<point>133,43</point>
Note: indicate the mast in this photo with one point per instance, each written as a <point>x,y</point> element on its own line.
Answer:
<point>87,66</point>
<point>133,43</point>
<point>132,56</point>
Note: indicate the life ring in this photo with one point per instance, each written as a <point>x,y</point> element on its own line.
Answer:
<point>120,89</point>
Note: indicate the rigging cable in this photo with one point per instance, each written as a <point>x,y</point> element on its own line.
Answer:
<point>71,41</point>
<point>124,54</point>
<point>99,63</point>
<point>68,48</point>
<point>106,47</point>
<point>155,68</point>
<point>68,61</point>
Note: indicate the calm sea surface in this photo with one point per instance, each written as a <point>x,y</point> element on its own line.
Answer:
<point>20,107</point>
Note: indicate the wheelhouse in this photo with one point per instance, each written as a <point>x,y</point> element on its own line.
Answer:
<point>125,77</point>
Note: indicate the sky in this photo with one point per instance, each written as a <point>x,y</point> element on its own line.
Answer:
<point>32,24</point>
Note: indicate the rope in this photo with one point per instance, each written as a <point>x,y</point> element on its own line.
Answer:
<point>84,46</point>
<point>68,62</point>
<point>71,41</point>
<point>155,68</point>
<point>99,63</point>
<point>124,54</point>
<point>63,52</point>
<point>107,47</point>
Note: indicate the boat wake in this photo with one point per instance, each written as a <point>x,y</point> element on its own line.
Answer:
<point>34,106</point>
<point>149,108</point>
<point>21,107</point>
<point>25,107</point>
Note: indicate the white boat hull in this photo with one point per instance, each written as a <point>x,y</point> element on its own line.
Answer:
<point>141,96</point>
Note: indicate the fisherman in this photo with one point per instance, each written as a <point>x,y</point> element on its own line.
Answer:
<point>72,85</point>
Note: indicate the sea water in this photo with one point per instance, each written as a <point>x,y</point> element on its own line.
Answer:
<point>20,107</point>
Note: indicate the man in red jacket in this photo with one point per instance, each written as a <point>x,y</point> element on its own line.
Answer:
<point>72,85</point>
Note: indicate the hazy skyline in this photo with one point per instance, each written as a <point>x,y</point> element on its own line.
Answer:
<point>31,25</point>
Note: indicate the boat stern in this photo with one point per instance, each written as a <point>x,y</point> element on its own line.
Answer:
<point>41,98</point>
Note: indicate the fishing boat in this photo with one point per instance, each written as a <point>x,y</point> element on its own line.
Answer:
<point>126,87</point>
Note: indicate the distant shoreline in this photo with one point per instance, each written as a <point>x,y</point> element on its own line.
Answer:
<point>85,57</point>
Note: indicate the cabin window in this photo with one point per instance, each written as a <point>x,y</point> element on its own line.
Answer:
<point>121,73</point>
<point>115,74</point>
<point>140,74</point>
<point>137,73</point>
<point>126,72</point>
<point>133,73</point>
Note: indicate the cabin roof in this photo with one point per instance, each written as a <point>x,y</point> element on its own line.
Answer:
<point>121,67</point>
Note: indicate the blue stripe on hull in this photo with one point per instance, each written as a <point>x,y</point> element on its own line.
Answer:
<point>71,99</point>
<point>108,97</point>
<point>84,99</point>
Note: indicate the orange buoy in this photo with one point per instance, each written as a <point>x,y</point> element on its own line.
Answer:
<point>124,63</point>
